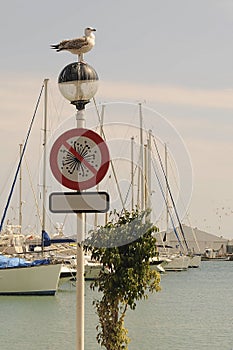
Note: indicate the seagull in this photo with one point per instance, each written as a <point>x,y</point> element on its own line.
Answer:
<point>78,46</point>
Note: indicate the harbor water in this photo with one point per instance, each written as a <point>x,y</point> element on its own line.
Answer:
<point>193,311</point>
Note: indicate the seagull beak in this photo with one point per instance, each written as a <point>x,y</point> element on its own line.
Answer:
<point>93,30</point>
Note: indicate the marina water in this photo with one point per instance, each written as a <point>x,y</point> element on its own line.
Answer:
<point>193,311</point>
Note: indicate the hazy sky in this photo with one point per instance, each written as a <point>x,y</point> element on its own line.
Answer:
<point>174,55</point>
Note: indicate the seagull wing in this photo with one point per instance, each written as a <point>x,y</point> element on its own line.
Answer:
<point>73,44</point>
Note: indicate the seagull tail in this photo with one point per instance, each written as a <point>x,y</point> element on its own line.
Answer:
<point>55,47</point>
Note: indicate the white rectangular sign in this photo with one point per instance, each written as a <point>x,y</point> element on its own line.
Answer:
<point>79,202</point>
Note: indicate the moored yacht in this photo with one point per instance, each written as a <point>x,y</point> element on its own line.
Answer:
<point>179,262</point>
<point>19,277</point>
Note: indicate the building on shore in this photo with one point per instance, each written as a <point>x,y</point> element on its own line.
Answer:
<point>198,241</point>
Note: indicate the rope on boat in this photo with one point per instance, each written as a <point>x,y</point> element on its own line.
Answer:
<point>167,206</point>
<point>170,194</point>
<point>111,162</point>
<point>20,161</point>
<point>33,192</point>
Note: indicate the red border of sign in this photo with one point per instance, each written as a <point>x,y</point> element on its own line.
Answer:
<point>105,159</point>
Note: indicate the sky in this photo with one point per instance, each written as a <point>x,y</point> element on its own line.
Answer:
<point>174,57</point>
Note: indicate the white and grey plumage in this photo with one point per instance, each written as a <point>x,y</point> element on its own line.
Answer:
<point>78,46</point>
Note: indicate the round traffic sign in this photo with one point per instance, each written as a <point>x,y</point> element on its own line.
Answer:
<point>79,159</point>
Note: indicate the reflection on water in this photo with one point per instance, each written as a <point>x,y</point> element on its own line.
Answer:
<point>193,311</point>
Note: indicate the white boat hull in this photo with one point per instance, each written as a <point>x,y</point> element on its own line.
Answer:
<point>32,280</point>
<point>68,273</point>
<point>157,267</point>
<point>92,271</point>
<point>195,261</point>
<point>178,263</point>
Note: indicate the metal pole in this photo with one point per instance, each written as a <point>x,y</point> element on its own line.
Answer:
<point>80,263</point>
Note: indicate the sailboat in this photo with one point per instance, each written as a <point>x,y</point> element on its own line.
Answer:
<point>19,276</point>
<point>183,259</point>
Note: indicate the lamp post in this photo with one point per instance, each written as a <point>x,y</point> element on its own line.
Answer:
<point>78,83</point>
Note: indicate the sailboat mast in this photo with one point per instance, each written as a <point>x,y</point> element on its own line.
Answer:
<point>44,159</point>
<point>149,149</point>
<point>145,176</point>
<point>141,158</point>
<point>167,200</point>
<point>20,161</point>
<point>20,189</point>
<point>102,135</point>
<point>132,173</point>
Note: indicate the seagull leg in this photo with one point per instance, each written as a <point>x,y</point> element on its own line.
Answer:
<point>80,58</point>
